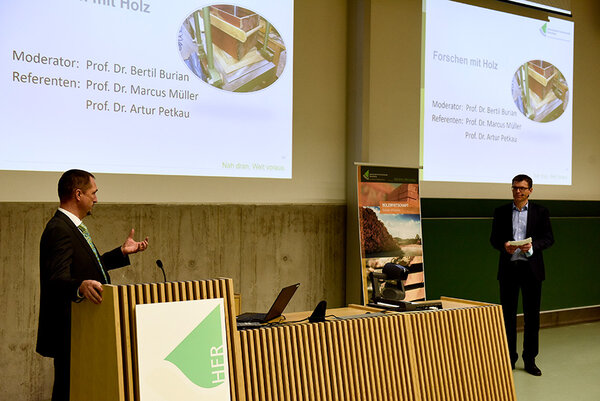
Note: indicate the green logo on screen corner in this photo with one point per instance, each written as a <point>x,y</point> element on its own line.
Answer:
<point>201,355</point>
<point>544,28</point>
<point>366,175</point>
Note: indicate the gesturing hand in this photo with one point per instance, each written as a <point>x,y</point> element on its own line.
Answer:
<point>132,246</point>
<point>92,290</point>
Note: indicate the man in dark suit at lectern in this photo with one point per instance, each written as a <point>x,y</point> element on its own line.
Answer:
<point>71,269</point>
<point>521,266</point>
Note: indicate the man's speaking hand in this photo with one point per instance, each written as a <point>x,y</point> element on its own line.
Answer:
<point>132,246</point>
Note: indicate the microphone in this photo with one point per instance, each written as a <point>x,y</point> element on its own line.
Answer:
<point>318,314</point>
<point>160,266</point>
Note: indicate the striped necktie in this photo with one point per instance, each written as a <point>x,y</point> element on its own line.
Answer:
<point>88,238</point>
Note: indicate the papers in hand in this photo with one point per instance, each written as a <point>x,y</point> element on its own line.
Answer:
<point>520,243</point>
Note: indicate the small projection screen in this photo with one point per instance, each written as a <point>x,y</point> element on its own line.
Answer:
<point>497,95</point>
<point>147,87</point>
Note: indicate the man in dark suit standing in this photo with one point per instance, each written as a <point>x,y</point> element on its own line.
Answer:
<point>521,267</point>
<point>71,269</point>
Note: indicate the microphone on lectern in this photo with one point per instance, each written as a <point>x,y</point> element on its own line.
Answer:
<point>160,266</point>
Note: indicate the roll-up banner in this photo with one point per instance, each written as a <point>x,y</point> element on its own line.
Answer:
<point>389,212</point>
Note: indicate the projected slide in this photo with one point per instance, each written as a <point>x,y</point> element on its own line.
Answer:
<point>497,96</point>
<point>147,87</point>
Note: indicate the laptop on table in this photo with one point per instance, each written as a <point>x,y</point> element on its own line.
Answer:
<point>282,300</point>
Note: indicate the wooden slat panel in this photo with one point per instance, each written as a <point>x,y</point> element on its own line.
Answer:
<point>386,368</point>
<point>393,357</point>
<point>183,296</point>
<point>299,361</point>
<point>500,351</point>
<point>445,355</point>
<point>346,353</point>
<point>189,285</point>
<point>374,373</point>
<point>453,354</point>
<point>308,341</point>
<point>297,370</point>
<point>480,352</point>
<point>258,371</point>
<point>353,329</point>
<point>385,328</point>
<point>460,353</point>
<point>476,380</point>
<point>430,358</point>
<point>409,374</point>
<point>324,361</point>
<point>357,375</point>
<point>269,361</point>
<point>334,362</point>
<point>446,361</point>
<point>489,371</point>
<point>420,370</point>
<point>133,299</point>
<point>336,365</point>
<point>210,290</point>
<point>509,387</point>
<point>291,367</point>
<point>124,311</point>
<point>281,363</point>
<point>249,365</point>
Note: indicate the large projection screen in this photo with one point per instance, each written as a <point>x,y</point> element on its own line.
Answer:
<point>497,96</point>
<point>134,86</point>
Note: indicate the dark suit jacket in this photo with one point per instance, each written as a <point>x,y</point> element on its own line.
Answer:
<point>66,259</point>
<point>538,228</point>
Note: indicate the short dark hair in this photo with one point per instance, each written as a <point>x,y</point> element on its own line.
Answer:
<point>523,177</point>
<point>70,181</point>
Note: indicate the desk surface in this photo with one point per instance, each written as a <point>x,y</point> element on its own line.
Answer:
<point>354,309</point>
<point>349,310</point>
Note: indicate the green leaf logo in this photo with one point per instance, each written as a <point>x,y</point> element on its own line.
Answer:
<point>544,29</point>
<point>201,355</point>
<point>366,175</point>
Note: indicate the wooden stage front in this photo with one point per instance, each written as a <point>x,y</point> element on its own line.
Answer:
<point>456,353</point>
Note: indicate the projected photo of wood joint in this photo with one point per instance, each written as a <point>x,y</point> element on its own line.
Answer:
<point>232,48</point>
<point>540,91</point>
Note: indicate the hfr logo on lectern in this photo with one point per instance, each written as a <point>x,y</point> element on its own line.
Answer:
<point>201,355</point>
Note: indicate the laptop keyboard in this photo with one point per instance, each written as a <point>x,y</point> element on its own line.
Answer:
<point>251,317</point>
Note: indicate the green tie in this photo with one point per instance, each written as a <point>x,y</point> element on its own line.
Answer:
<point>88,238</point>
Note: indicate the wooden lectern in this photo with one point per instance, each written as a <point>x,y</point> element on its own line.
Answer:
<point>103,343</point>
